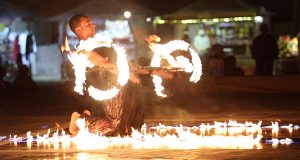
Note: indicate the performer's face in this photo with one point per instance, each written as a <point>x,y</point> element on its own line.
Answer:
<point>86,28</point>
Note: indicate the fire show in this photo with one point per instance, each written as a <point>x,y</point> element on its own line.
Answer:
<point>219,135</point>
<point>231,135</point>
<point>138,79</point>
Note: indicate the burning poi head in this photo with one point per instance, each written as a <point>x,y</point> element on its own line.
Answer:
<point>81,61</point>
<point>163,51</point>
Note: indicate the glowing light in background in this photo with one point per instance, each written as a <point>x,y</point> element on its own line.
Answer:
<point>148,19</point>
<point>258,19</point>
<point>127,14</point>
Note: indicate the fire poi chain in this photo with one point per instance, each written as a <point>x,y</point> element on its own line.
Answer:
<point>161,51</point>
<point>80,62</point>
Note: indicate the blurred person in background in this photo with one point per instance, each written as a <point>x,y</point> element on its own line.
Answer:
<point>264,51</point>
<point>5,86</point>
<point>23,81</point>
<point>230,67</point>
<point>215,62</point>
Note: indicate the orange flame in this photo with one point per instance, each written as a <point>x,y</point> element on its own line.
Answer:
<point>65,46</point>
<point>224,135</point>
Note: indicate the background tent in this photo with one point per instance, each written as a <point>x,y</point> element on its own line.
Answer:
<point>9,10</point>
<point>105,9</point>
<point>213,9</point>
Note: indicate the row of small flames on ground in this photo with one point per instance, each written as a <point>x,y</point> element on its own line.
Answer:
<point>225,135</point>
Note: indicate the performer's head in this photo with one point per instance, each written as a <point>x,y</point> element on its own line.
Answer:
<point>82,26</point>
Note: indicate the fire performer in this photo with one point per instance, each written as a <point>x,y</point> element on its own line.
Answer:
<point>124,111</point>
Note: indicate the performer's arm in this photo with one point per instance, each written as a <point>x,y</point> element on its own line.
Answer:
<point>102,62</point>
<point>140,70</point>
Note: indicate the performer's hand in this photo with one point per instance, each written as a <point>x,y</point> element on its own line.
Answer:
<point>134,79</point>
<point>153,39</point>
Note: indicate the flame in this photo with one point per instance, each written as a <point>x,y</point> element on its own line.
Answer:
<point>288,127</point>
<point>65,46</point>
<point>224,135</point>
<point>163,51</point>
<point>275,129</point>
<point>81,61</point>
<point>155,62</point>
<point>275,142</point>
